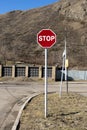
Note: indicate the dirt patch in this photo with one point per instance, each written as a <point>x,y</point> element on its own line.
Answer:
<point>67,113</point>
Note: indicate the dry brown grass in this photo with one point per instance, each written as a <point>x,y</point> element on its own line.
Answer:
<point>67,113</point>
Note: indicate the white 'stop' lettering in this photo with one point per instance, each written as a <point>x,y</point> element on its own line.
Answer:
<point>46,38</point>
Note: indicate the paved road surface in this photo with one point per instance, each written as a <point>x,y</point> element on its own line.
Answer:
<point>13,95</point>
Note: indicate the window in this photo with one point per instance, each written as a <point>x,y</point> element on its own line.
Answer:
<point>7,71</point>
<point>20,71</point>
<point>49,72</point>
<point>34,72</point>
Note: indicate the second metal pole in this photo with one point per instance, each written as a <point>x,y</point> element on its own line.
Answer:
<point>46,83</point>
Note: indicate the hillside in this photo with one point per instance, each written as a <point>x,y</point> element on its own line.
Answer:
<point>18,30</point>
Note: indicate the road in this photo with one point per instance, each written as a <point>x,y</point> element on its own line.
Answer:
<point>13,95</point>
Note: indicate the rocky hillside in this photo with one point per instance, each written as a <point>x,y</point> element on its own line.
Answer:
<point>18,30</point>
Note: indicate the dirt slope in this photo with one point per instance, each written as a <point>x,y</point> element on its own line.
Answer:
<point>18,31</point>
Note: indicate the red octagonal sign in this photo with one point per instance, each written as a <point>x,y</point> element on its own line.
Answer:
<point>46,38</point>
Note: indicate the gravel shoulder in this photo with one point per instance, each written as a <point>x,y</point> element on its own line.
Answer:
<point>67,113</point>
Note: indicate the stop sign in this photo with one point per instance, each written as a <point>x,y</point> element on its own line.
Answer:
<point>46,38</point>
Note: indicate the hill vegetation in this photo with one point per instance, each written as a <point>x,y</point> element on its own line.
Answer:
<point>18,30</point>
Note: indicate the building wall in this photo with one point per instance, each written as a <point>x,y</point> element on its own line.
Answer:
<point>38,72</point>
<point>26,71</point>
<point>72,75</point>
<point>77,74</point>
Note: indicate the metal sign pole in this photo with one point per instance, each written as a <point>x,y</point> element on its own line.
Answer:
<point>67,80</point>
<point>60,94</point>
<point>46,38</point>
<point>46,84</point>
<point>65,61</point>
<point>67,64</point>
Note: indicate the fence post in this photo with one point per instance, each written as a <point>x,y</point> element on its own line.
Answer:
<point>13,71</point>
<point>54,73</point>
<point>40,72</point>
<point>27,71</point>
<point>1,70</point>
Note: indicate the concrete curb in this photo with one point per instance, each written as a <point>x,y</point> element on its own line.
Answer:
<point>17,121</point>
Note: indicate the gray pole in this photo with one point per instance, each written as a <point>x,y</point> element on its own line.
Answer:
<point>46,84</point>
<point>60,93</point>
<point>67,81</point>
<point>65,62</point>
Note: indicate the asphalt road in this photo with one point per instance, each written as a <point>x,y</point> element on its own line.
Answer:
<point>13,95</point>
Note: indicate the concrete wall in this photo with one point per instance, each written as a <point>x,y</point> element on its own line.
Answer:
<point>72,75</point>
<point>77,74</point>
<point>27,71</point>
<point>38,72</point>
